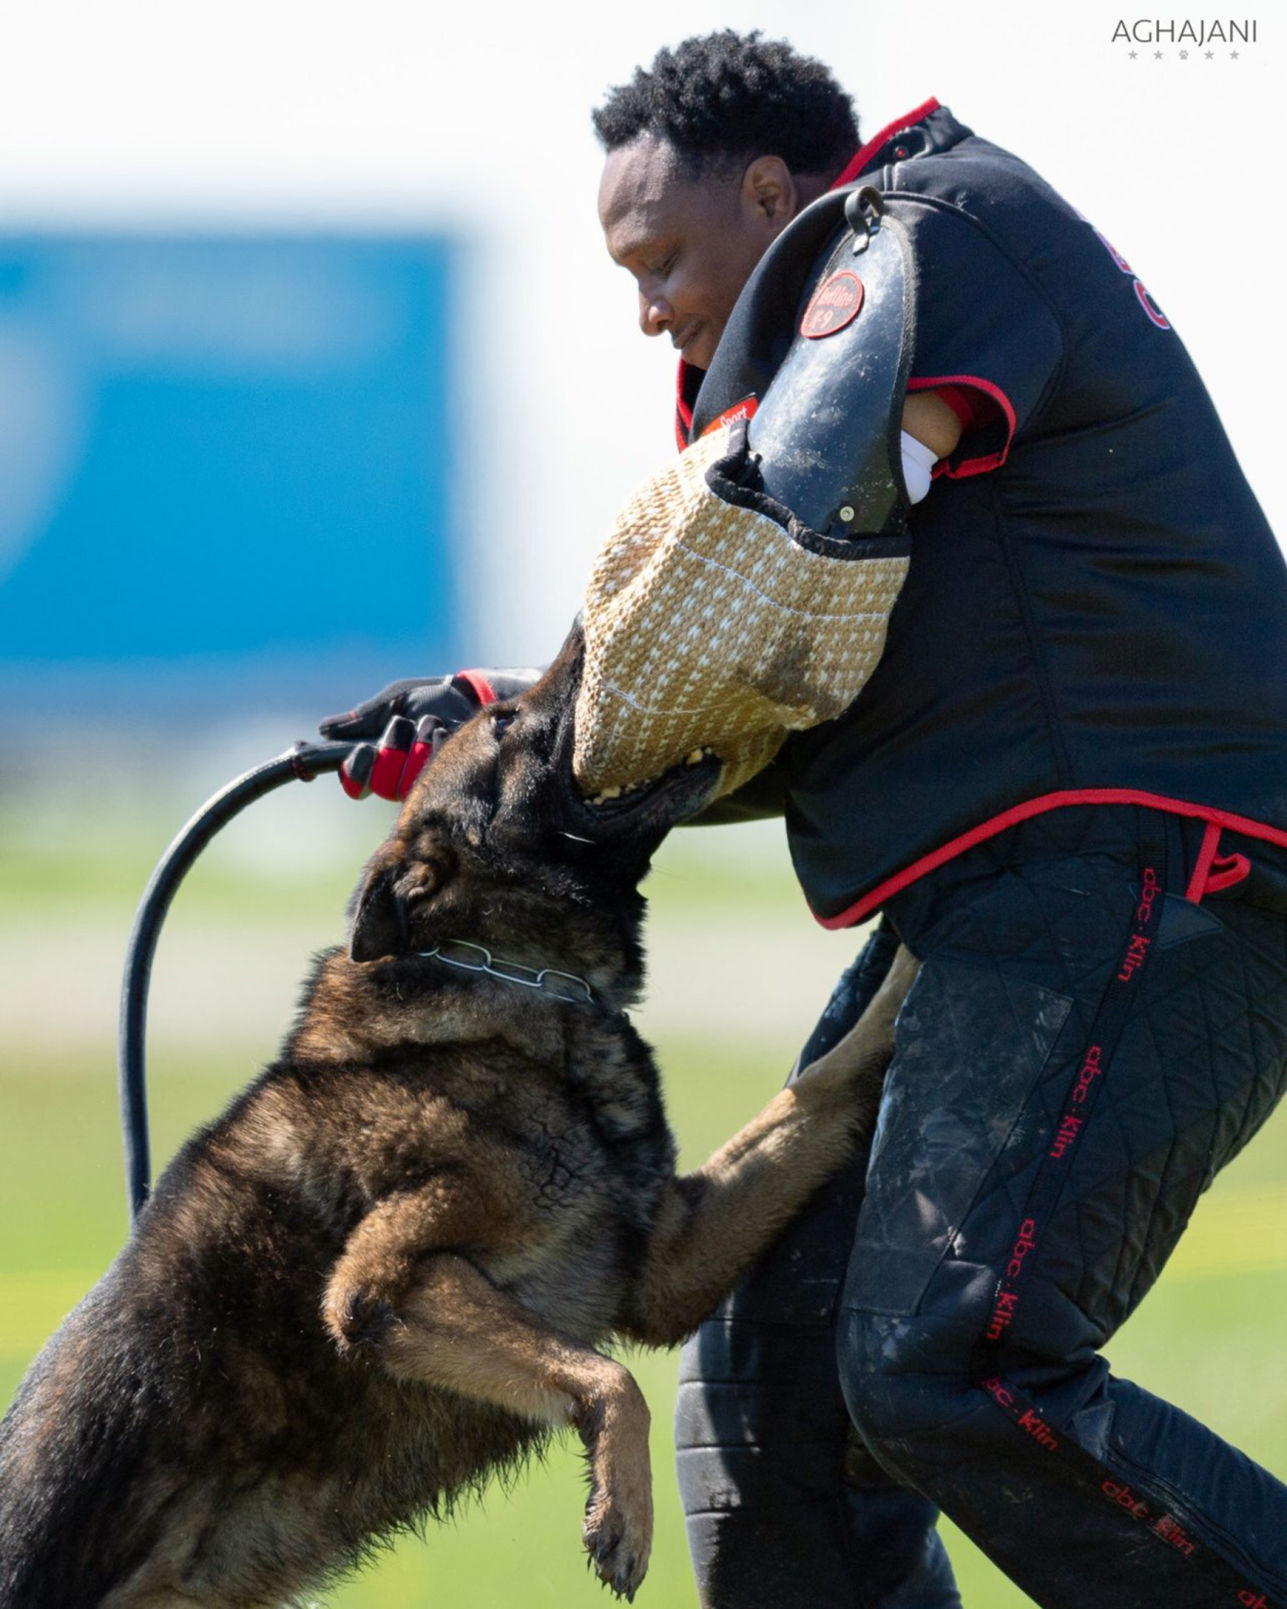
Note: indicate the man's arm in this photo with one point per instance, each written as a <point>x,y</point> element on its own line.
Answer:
<point>932,421</point>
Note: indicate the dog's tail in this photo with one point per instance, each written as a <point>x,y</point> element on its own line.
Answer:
<point>70,1447</point>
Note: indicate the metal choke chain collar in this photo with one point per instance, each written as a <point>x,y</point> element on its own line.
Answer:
<point>549,980</point>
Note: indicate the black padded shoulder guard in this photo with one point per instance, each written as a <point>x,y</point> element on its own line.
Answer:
<point>830,384</point>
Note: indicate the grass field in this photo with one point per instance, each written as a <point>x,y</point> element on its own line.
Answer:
<point>739,973</point>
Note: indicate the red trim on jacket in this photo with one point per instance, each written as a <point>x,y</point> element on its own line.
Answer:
<point>1212,872</point>
<point>864,154</point>
<point>1236,867</point>
<point>972,407</point>
<point>987,461</point>
<point>683,412</point>
<point>872,902</point>
<point>1202,866</point>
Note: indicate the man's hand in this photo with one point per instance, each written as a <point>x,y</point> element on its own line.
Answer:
<point>412,719</point>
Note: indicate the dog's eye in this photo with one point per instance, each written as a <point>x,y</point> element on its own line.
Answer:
<point>502,720</point>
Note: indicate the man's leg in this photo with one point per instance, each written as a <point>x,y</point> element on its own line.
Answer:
<point>1078,1057</point>
<point>786,1508</point>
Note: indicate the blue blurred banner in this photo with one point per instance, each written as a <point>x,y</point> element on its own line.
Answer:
<point>220,455</point>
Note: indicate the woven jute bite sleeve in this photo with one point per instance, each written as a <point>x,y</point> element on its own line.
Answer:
<point>710,624</point>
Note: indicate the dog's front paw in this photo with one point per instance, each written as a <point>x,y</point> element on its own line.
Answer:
<point>618,1538</point>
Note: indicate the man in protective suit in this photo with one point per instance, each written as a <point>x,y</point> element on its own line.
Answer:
<point>1061,776</point>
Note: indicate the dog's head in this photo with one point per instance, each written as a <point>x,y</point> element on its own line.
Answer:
<point>494,841</point>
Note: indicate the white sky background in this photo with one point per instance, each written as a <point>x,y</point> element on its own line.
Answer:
<point>304,113</point>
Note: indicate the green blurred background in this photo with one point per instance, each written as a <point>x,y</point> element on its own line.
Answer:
<point>738,973</point>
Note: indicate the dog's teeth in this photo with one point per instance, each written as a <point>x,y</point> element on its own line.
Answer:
<point>609,793</point>
<point>695,757</point>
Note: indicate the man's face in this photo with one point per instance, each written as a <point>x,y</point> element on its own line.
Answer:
<point>690,243</point>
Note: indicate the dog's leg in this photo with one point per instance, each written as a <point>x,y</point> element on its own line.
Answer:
<point>431,1316</point>
<point>715,1222</point>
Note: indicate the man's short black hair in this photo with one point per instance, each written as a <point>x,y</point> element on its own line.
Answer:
<point>724,98</point>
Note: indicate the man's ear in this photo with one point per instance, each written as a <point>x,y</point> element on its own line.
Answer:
<point>770,193</point>
<point>380,921</point>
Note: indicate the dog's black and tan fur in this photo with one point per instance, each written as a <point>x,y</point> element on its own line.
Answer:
<point>383,1272</point>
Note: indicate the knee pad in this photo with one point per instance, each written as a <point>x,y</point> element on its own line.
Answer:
<point>908,1383</point>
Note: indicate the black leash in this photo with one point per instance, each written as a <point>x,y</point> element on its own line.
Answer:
<point>300,764</point>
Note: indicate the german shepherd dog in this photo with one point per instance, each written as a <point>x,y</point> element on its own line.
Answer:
<point>384,1271</point>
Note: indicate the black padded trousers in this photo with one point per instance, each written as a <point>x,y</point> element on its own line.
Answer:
<point>1097,1028</point>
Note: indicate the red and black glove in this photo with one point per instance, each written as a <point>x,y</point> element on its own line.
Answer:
<point>412,719</point>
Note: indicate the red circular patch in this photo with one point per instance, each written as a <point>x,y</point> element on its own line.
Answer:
<point>835,303</point>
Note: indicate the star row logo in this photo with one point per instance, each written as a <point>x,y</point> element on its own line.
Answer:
<point>1208,55</point>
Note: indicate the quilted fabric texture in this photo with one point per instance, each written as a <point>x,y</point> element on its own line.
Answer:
<point>708,625</point>
<point>1021,940</point>
<point>975,1182</point>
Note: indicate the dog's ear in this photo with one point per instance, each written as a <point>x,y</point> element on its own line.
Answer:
<point>380,921</point>
<point>397,894</point>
